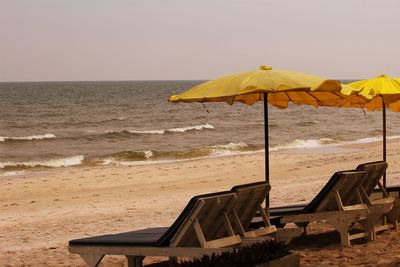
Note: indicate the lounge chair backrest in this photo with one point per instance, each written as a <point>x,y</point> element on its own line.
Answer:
<point>208,212</point>
<point>375,171</point>
<point>249,196</point>
<point>346,183</point>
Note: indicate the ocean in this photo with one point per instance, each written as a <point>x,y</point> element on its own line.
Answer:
<point>58,124</point>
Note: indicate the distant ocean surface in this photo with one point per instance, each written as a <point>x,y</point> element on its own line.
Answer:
<point>58,124</point>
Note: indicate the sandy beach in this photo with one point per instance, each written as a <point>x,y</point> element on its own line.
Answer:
<point>41,211</point>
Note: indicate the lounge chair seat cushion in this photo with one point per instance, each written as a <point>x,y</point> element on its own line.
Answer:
<point>145,237</point>
<point>287,210</point>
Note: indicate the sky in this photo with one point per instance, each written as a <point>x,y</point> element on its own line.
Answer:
<point>77,40</point>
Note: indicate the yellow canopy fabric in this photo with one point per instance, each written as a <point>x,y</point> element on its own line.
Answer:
<point>375,90</point>
<point>282,86</point>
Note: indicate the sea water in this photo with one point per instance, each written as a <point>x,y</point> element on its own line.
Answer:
<point>59,124</point>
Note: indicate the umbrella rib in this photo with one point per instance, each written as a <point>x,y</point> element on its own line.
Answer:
<point>344,100</point>
<point>316,99</point>
<point>398,83</point>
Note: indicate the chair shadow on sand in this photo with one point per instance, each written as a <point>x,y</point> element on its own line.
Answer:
<point>321,235</point>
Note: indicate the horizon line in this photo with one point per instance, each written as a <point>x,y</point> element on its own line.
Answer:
<point>151,80</point>
<point>155,80</point>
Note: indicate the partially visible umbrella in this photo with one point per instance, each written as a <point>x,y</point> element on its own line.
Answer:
<point>381,92</point>
<point>276,87</point>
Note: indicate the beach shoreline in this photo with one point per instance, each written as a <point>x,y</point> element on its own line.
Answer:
<point>41,211</point>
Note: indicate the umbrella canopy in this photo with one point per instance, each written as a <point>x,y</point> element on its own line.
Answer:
<point>250,86</point>
<point>276,87</point>
<point>381,92</point>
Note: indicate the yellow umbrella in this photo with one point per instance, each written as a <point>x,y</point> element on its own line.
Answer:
<point>250,87</point>
<point>276,87</point>
<point>381,92</point>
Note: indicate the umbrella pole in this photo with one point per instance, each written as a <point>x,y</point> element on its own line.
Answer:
<point>266,142</point>
<point>384,138</point>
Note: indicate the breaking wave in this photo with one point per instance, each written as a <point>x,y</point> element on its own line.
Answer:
<point>27,138</point>
<point>299,143</point>
<point>315,143</point>
<point>171,130</point>
<point>154,156</point>
<point>132,157</point>
<point>51,163</point>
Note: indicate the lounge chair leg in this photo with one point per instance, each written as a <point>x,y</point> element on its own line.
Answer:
<point>342,227</point>
<point>135,261</point>
<point>91,259</point>
<point>395,225</point>
<point>344,237</point>
<point>369,228</point>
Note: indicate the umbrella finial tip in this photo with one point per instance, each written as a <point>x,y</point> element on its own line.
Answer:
<point>382,76</point>
<point>263,67</point>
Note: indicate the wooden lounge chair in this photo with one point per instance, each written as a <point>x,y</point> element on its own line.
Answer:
<point>335,205</point>
<point>379,206</point>
<point>202,228</point>
<point>249,203</point>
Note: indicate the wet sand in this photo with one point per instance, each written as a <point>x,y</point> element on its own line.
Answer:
<point>41,211</point>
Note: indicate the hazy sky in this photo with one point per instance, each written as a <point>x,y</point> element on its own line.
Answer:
<point>186,39</point>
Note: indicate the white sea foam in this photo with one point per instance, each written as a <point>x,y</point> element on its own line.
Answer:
<point>228,149</point>
<point>12,173</point>
<point>148,154</point>
<point>27,138</point>
<point>312,143</point>
<point>148,132</point>
<point>365,140</point>
<point>230,146</point>
<point>134,163</point>
<point>54,163</point>
<point>189,128</point>
<point>299,143</point>
<point>171,130</point>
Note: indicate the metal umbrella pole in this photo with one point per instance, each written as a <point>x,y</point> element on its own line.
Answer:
<point>266,142</point>
<point>384,138</point>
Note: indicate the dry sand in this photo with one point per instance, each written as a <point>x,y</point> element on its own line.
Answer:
<point>41,211</point>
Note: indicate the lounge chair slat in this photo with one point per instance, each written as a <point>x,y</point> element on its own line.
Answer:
<point>223,242</point>
<point>187,223</point>
<point>250,198</point>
